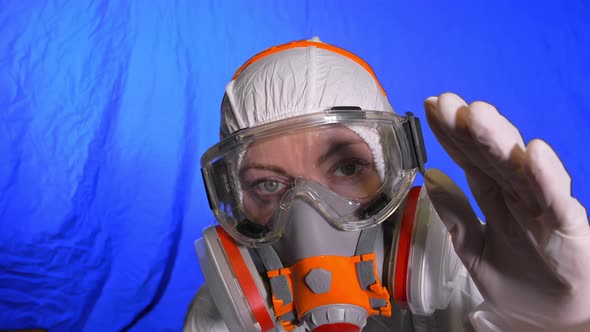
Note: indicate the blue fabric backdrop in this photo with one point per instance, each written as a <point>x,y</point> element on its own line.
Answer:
<point>107,106</point>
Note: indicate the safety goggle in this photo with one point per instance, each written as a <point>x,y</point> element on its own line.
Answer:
<point>354,166</point>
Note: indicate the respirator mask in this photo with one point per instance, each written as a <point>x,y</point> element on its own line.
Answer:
<point>319,226</point>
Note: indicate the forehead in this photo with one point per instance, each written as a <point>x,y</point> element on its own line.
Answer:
<point>303,144</point>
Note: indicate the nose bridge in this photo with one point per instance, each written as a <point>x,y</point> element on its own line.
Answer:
<point>318,194</point>
<point>302,155</point>
<point>300,186</point>
<point>306,170</point>
<point>304,189</point>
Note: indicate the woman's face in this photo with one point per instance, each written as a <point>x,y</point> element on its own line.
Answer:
<point>335,157</point>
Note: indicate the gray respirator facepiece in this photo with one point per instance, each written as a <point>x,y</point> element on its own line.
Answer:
<point>322,277</point>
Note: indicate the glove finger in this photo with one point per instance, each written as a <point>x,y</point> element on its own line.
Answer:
<point>483,142</point>
<point>454,209</point>
<point>501,220</point>
<point>448,116</point>
<point>442,114</point>
<point>552,185</point>
<point>503,149</point>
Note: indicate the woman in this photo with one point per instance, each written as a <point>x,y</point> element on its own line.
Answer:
<point>314,172</point>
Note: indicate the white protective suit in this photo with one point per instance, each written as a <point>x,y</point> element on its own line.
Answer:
<point>531,261</point>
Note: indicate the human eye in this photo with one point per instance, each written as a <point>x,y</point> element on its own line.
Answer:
<point>350,167</point>
<point>268,187</point>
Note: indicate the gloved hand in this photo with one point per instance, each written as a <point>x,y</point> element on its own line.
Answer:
<point>531,259</point>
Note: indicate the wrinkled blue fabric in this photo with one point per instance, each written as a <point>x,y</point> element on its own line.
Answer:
<point>107,106</point>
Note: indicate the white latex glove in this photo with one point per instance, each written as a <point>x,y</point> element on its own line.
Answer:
<point>531,260</point>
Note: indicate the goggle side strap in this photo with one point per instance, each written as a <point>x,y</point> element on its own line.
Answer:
<point>205,183</point>
<point>413,132</point>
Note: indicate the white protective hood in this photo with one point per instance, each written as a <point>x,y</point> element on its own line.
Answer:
<point>298,78</point>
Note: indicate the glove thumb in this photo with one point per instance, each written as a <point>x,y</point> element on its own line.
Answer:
<point>456,213</point>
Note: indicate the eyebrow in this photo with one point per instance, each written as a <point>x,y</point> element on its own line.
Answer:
<point>271,168</point>
<point>337,148</point>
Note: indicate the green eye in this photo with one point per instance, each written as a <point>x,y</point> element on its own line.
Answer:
<point>271,186</point>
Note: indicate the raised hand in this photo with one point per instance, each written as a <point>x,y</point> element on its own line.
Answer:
<point>531,259</point>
